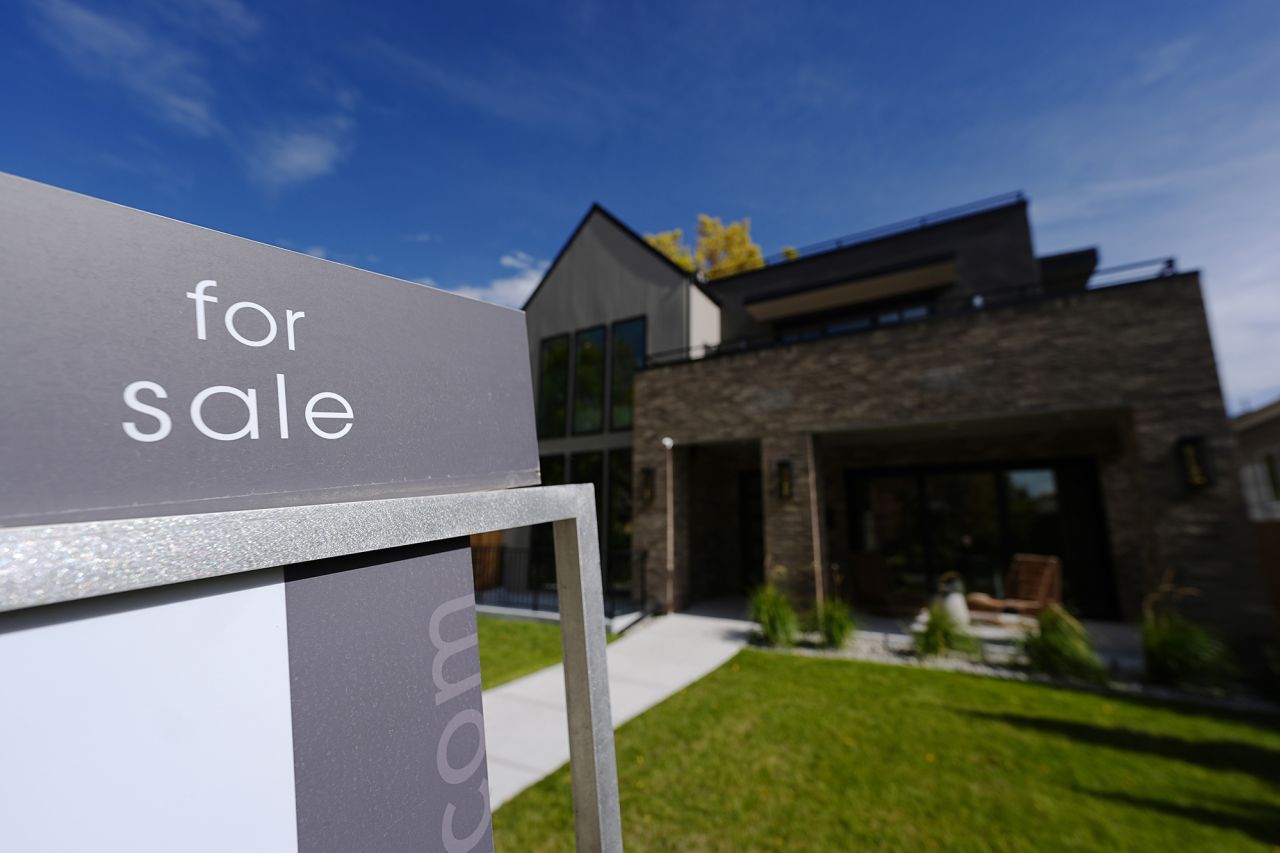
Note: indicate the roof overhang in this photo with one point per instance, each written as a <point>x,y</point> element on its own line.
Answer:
<point>850,292</point>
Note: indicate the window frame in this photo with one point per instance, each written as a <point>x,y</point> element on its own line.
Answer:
<point>568,386</point>
<point>1271,470</point>
<point>611,385</point>
<point>604,380</point>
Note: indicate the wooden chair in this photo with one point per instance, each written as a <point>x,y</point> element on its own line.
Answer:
<point>1034,582</point>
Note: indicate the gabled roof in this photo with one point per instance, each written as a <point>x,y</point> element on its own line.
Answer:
<point>596,207</point>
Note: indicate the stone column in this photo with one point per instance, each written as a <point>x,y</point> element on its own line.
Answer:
<point>666,580</point>
<point>788,522</point>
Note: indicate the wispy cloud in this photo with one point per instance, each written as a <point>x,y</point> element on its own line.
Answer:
<point>1165,60</point>
<point>510,91</point>
<point>169,80</point>
<point>280,157</point>
<point>162,52</point>
<point>421,237</point>
<point>316,251</point>
<point>510,290</point>
<point>223,20</point>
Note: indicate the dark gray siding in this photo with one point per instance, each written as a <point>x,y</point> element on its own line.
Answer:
<point>992,249</point>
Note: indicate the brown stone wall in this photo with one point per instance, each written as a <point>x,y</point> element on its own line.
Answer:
<point>788,542</point>
<point>1142,348</point>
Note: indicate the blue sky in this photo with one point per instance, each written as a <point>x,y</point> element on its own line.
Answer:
<point>460,143</point>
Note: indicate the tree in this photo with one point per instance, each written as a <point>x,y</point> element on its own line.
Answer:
<point>722,249</point>
<point>671,243</point>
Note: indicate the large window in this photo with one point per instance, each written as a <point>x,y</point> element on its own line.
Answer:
<point>589,468</point>
<point>553,386</point>
<point>552,470</point>
<point>542,549</point>
<point>1273,474</point>
<point>588,381</point>
<point>618,537</point>
<point>628,354</point>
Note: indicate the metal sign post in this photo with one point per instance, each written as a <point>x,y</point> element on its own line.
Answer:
<point>236,603</point>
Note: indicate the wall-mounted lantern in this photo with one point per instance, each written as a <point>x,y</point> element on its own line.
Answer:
<point>1194,462</point>
<point>646,486</point>
<point>786,488</point>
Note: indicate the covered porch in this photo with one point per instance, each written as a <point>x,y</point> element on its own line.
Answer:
<point>877,515</point>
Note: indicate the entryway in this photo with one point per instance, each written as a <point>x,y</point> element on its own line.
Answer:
<point>726,520</point>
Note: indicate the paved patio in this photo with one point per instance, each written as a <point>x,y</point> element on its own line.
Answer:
<point>526,728</point>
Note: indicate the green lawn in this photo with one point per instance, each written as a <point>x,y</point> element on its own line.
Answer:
<point>510,648</point>
<point>776,752</point>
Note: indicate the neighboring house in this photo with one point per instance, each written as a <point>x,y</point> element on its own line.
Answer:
<point>1258,435</point>
<point>926,398</point>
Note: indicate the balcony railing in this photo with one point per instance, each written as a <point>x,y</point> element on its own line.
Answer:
<point>844,326</point>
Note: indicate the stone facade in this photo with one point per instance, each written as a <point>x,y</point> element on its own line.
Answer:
<point>1126,371</point>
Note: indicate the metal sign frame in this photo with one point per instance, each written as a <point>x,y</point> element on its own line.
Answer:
<point>48,564</point>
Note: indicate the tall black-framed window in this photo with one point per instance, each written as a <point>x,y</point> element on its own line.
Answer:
<point>553,386</point>
<point>542,548</point>
<point>628,354</point>
<point>1273,474</point>
<point>589,468</point>
<point>618,529</point>
<point>588,380</point>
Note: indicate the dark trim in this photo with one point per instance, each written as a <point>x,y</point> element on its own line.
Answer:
<point>859,244</point>
<point>596,207</point>
<point>845,279</point>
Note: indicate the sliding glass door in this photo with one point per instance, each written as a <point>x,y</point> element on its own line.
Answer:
<point>908,528</point>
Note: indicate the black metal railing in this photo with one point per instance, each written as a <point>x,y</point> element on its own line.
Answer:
<point>945,306</point>
<point>525,579</point>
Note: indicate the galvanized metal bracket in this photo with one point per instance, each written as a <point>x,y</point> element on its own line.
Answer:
<point>48,564</point>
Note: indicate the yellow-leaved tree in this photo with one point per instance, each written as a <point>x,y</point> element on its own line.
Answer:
<point>671,243</point>
<point>722,249</point>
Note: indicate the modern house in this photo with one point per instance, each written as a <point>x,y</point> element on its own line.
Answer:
<point>926,398</point>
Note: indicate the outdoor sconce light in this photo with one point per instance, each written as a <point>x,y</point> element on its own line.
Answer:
<point>1194,462</point>
<point>646,486</point>
<point>785,484</point>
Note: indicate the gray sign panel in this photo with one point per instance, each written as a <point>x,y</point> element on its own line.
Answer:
<point>388,730</point>
<point>153,367</point>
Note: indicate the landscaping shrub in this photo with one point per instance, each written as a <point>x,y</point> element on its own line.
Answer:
<point>941,634</point>
<point>775,616</point>
<point>1061,648</point>
<point>834,624</point>
<point>1181,653</point>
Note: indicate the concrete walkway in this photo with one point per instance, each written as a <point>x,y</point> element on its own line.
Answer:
<point>526,730</point>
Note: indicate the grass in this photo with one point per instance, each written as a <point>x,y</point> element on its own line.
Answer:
<point>781,752</point>
<point>510,648</point>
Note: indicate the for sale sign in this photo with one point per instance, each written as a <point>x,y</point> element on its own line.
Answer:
<point>152,369</point>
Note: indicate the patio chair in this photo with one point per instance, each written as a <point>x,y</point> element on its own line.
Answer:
<point>1034,582</point>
